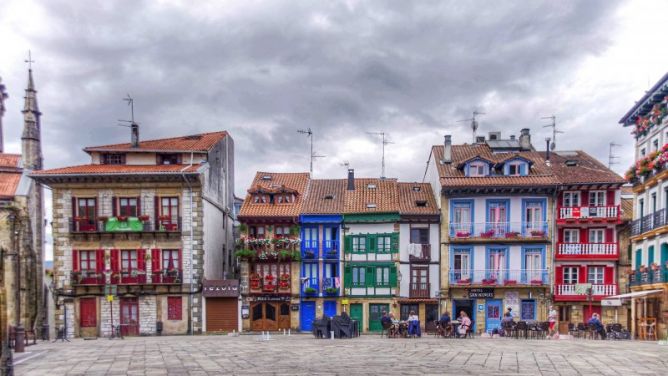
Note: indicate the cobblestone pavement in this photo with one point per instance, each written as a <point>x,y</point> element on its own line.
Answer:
<point>370,354</point>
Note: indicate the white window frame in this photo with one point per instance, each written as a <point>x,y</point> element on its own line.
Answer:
<point>571,275</point>
<point>598,233</point>
<point>518,168</point>
<point>570,196</point>
<point>595,275</point>
<point>597,198</point>
<point>571,235</point>
<point>477,168</point>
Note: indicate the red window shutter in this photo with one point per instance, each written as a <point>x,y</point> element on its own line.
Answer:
<point>561,235</point>
<point>99,259</point>
<point>115,261</point>
<point>138,206</point>
<point>582,277</point>
<point>155,260</point>
<point>141,259</point>
<point>609,235</point>
<point>74,207</point>
<point>180,266</point>
<point>558,275</point>
<point>610,200</point>
<point>156,208</point>
<point>584,235</point>
<point>75,260</point>
<point>87,313</point>
<point>97,213</point>
<point>609,275</point>
<point>584,198</point>
<point>174,308</point>
<point>114,206</point>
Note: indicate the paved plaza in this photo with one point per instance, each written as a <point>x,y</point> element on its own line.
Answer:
<point>370,354</point>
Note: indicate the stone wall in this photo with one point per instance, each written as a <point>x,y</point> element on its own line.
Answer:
<point>147,315</point>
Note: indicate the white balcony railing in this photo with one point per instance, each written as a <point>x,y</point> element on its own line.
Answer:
<point>497,230</point>
<point>587,249</point>
<point>583,212</point>
<point>579,289</point>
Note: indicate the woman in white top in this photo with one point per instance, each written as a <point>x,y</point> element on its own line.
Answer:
<point>464,323</point>
<point>413,317</point>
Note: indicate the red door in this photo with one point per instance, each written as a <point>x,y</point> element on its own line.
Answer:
<point>129,317</point>
<point>88,313</point>
<point>587,312</point>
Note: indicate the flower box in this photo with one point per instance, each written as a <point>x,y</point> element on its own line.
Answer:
<point>466,281</point>
<point>309,254</point>
<point>462,234</point>
<point>122,218</point>
<point>487,234</point>
<point>144,218</point>
<point>310,291</point>
<point>331,290</point>
<point>489,281</point>
<point>103,218</point>
<point>536,281</point>
<point>509,282</point>
<point>512,235</point>
<point>655,266</point>
<point>537,233</point>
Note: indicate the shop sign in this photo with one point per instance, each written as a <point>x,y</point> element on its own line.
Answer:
<point>344,302</point>
<point>481,293</point>
<point>245,311</point>
<point>220,288</point>
<point>611,302</point>
<point>269,298</point>
<point>294,307</point>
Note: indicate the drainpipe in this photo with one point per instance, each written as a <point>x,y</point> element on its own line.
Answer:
<point>192,248</point>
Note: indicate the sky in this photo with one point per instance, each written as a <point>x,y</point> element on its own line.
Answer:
<point>264,69</point>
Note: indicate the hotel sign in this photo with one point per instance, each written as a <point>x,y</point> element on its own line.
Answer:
<point>481,293</point>
<point>220,288</point>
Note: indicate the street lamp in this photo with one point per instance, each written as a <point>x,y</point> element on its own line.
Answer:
<point>20,333</point>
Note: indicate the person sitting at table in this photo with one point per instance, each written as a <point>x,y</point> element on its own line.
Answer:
<point>385,319</point>
<point>464,324</point>
<point>414,324</point>
<point>444,323</point>
<point>506,322</point>
<point>508,314</point>
<point>394,330</point>
<point>595,321</point>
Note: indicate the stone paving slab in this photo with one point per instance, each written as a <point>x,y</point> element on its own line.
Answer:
<point>369,354</point>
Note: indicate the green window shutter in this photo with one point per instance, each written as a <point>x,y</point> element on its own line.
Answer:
<point>395,242</point>
<point>348,244</point>
<point>347,276</point>
<point>371,240</point>
<point>393,276</point>
<point>370,276</point>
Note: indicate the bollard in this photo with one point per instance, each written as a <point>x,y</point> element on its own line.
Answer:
<point>289,332</point>
<point>331,334</point>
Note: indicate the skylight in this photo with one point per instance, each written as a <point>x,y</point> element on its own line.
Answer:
<point>371,206</point>
<point>371,186</point>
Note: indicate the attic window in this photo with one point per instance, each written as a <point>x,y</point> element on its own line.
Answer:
<point>571,163</point>
<point>329,197</point>
<point>421,203</point>
<point>371,206</point>
<point>371,186</point>
<point>266,177</point>
<point>193,137</point>
<point>416,188</point>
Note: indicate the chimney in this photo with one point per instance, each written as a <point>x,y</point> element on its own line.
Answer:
<point>512,137</point>
<point>547,151</point>
<point>525,139</point>
<point>134,139</point>
<point>351,179</point>
<point>447,148</point>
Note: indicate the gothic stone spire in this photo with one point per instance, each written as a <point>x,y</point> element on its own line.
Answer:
<point>3,96</point>
<point>31,145</point>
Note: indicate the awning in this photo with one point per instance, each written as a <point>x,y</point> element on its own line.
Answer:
<point>637,294</point>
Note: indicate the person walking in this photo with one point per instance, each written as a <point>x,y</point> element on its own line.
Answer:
<point>552,319</point>
<point>464,324</point>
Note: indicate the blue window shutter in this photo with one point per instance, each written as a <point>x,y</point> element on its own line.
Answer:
<point>523,169</point>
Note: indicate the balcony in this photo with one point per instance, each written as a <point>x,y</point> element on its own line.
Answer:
<point>331,249</point>
<point>329,287</point>
<point>419,252</point>
<point>580,292</point>
<point>587,251</point>
<point>420,289</point>
<point>269,284</point>
<point>310,250</point>
<point>588,214</point>
<point>649,222</point>
<point>87,278</point>
<point>499,232</point>
<point>498,278</point>
<point>647,277</point>
<point>167,277</point>
<point>310,286</point>
<point>134,277</point>
<point>123,225</point>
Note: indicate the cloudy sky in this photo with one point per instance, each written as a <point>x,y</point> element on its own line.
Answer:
<point>264,69</point>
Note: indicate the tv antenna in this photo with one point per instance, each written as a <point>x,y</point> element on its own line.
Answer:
<point>345,164</point>
<point>309,133</point>
<point>554,130</point>
<point>611,157</point>
<point>474,123</point>
<point>134,126</point>
<point>384,136</point>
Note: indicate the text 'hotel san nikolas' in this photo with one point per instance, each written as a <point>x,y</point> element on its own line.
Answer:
<point>150,239</point>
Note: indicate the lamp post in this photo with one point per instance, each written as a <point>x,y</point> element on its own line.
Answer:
<point>19,342</point>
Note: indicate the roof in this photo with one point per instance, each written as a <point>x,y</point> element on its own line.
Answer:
<point>450,176</point>
<point>654,94</point>
<point>325,196</point>
<point>107,169</point>
<point>587,169</point>
<point>202,142</point>
<point>410,194</point>
<point>269,181</point>
<point>12,161</point>
<point>10,174</point>
<point>372,196</point>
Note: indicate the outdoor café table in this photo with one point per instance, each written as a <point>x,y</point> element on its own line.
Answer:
<point>455,326</point>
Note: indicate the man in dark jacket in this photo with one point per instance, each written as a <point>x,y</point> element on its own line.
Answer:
<point>595,321</point>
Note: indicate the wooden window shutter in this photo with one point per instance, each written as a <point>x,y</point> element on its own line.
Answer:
<point>394,242</point>
<point>608,275</point>
<point>371,243</point>
<point>609,235</point>
<point>114,206</point>
<point>610,199</point>
<point>582,277</point>
<point>115,260</point>
<point>348,244</point>
<point>99,259</point>
<point>584,198</point>
<point>370,277</point>
<point>558,275</point>
<point>393,276</point>
<point>561,235</point>
<point>347,276</point>
<point>180,265</point>
<point>141,259</point>
<point>584,235</point>
<point>74,207</point>
<point>174,308</point>
<point>156,209</point>
<point>155,260</point>
<point>75,260</point>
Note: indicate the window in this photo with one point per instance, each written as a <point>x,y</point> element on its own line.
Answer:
<point>461,216</point>
<point>571,235</point>
<point>169,209</point>
<point>256,232</point>
<point>533,216</point>
<point>477,169</point>
<point>283,231</point>
<point>406,310</point>
<point>382,276</point>
<point>571,199</point>
<point>528,309</point>
<point>597,235</point>
<point>514,169</point>
<point>384,244</point>
<point>86,208</point>
<point>128,206</point>
<point>310,237</point>
<point>174,310</point>
<point>643,152</point>
<point>653,197</point>
<point>419,235</point>
<point>571,275</point>
<point>597,198</point>
<point>461,265</point>
<point>113,159</point>
<point>169,159</point>
<point>533,263</point>
<point>641,207</point>
<point>359,244</point>
<point>595,275</point>
<point>655,145</point>
<point>359,276</point>
<point>128,260</point>
<point>284,198</point>
<point>259,199</point>
<point>87,261</point>
<point>311,275</point>
<point>496,264</point>
<point>170,259</point>
<point>497,217</point>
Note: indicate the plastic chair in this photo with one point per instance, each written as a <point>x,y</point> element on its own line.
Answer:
<point>651,331</point>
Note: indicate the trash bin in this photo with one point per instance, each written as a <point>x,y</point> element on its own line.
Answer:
<point>158,327</point>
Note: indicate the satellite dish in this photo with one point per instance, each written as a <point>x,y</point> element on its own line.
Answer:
<point>552,146</point>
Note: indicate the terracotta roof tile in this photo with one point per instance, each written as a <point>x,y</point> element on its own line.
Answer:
<point>9,181</point>
<point>372,196</point>
<point>413,195</point>
<point>272,180</point>
<point>200,143</point>
<point>587,169</point>
<point>105,169</point>
<point>325,196</point>
<point>9,160</point>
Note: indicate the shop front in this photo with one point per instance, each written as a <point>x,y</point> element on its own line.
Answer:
<point>270,313</point>
<point>221,299</point>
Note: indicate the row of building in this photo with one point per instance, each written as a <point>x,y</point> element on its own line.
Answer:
<point>149,237</point>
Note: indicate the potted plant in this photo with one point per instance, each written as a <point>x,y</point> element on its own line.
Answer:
<point>464,281</point>
<point>103,218</point>
<point>309,254</point>
<point>536,281</point>
<point>309,290</point>
<point>331,290</point>
<point>512,234</point>
<point>462,234</point>
<point>489,281</point>
<point>655,266</point>
<point>487,234</point>
<point>537,233</point>
<point>255,281</point>
<point>245,254</point>
<point>331,253</point>
<point>643,268</point>
<point>509,282</point>
<point>144,218</point>
<point>122,218</point>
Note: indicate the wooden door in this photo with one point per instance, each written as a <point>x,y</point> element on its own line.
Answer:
<point>375,314</point>
<point>283,315</point>
<point>221,314</point>
<point>430,317</point>
<point>264,316</point>
<point>357,314</point>
<point>88,317</point>
<point>129,317</point>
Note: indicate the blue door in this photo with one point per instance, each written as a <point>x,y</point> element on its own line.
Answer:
<point>330,308</point>
<point>492,314</point>
<point>307,315</point>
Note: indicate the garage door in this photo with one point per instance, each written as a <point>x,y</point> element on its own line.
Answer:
<point>221,315</point>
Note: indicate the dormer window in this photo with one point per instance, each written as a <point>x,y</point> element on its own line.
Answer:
<point>516,167</point>
<point>266,177</point>
<point>169,159</point>
<point>329,197</point>
<point>416,188</point>
<point>478,169</point>
<point>421,203</point>
<point>284,198</point>
<point>113,158</point>
<point>260,199</point>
